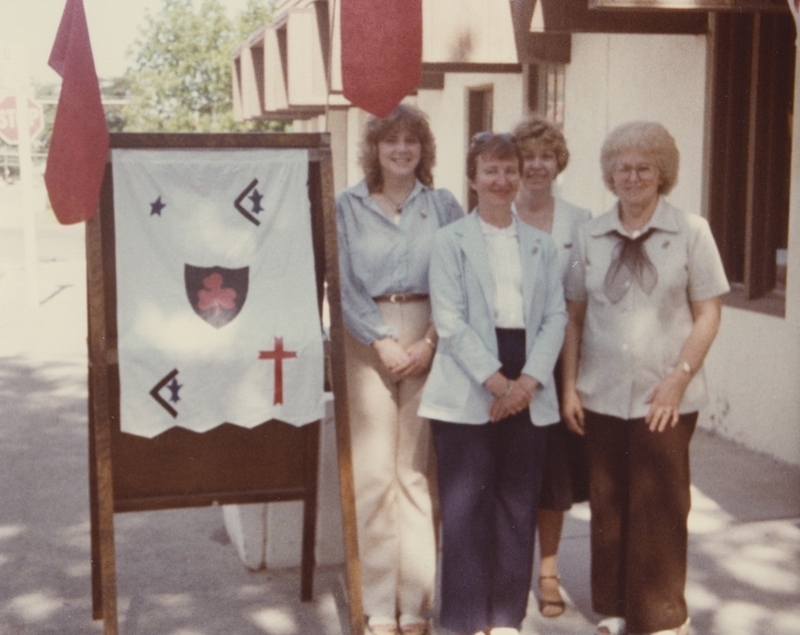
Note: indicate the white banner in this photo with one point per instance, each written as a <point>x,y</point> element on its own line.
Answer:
<point>216,296</point>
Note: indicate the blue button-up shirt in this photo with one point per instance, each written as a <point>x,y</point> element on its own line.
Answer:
<point>378,256</point>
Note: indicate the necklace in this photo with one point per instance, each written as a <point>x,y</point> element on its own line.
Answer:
<point>398,207</point>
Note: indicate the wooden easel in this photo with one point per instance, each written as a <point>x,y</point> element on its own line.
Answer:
<point>228,465</point>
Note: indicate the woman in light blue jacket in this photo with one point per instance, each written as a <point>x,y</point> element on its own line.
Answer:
<point>490,392</point>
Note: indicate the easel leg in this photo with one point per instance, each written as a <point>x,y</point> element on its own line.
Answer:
<point>310,512</point>
<point>339,384</point>
<point>104,595</point>
<point>101,492</point>
<point>97,590</point>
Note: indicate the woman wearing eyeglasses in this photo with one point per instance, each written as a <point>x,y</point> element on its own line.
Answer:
<point>643,297</point>
<point>498,307</point>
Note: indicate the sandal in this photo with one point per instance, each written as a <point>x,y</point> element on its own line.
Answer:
<point>413,625</point>
<point>381,626</point>
<point>611,626</point>
<point>556,607</point>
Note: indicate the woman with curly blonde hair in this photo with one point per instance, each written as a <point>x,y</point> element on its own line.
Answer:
<point>644,301</point>
<point>386,225</point>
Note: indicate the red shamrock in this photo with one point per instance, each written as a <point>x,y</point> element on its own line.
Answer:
<point>214,296</point>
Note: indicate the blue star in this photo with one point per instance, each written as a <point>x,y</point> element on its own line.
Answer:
<point>256,198</point>
<point>156,207</point>
<point>174,387</point>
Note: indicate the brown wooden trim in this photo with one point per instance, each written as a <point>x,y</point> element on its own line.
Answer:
<point>466,67</point>
<point>308,559</point>
<point>551,48</point>
<point>341,407</point>
<point>179,140</point>
<point>431,81</point>
<point>575,16</point>
<point>750,175</point>
<point>753,56</point>
<point>180,501</point>
<point>691,5</point>
<point>100,429</point>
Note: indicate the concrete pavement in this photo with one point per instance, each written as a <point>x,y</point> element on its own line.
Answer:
<point>177,572</point>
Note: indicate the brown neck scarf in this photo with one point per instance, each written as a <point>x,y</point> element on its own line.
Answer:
<point>629,262</point>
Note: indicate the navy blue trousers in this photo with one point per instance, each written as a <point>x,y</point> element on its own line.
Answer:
<point>489,478</point>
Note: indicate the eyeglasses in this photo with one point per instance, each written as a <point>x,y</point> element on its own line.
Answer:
<point>644,171</point>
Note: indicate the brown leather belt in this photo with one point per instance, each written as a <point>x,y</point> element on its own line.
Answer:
<point>399,298</point>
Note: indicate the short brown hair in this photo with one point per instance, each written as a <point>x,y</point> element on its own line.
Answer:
<point>537,130</point>
<point>497,145</point>
<point>404,117</point>
<point>649,137</point>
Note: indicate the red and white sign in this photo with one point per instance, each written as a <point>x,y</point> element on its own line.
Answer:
<point>9,130</point>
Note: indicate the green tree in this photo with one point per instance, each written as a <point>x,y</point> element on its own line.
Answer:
<point>181,78</point>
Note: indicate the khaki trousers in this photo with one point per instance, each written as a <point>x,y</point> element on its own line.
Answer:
<point>390,446</point>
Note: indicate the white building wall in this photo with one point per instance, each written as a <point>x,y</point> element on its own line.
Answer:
<point>617,78</point>
<point>447,110</point>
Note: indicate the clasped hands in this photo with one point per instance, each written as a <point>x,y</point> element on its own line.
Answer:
<point>510,395</point>
<point>404,362</point>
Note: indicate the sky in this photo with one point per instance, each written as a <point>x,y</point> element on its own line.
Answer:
<point>113,26</point>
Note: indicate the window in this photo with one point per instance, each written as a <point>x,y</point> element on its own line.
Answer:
<point>479,118</point>
<point>546,91</point>
<point>752,86</point>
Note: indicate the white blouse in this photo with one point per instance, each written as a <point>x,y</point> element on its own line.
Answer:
<point>502,247</point>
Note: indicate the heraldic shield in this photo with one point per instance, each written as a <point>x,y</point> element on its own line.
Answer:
<point>216,294</point>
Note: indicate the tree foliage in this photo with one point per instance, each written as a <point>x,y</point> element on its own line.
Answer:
<point>181,76</point>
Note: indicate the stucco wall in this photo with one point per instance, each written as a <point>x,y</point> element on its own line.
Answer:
<point>616,78</point>
<point>447,110</point>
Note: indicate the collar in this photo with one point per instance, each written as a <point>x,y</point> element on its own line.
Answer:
<point>360,189</point>
<point>361,192</point>
<point>663,219</point>
<point>487,229</point>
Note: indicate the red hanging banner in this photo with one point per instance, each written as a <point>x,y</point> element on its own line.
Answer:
<point>381,52</point>
<point>79,145</point>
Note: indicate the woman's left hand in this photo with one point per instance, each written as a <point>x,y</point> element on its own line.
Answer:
<point>665,402</point>
<point>517,399</point>
<point>421,356</point>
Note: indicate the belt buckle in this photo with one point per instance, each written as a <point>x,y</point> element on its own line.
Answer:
<point>394,298</point>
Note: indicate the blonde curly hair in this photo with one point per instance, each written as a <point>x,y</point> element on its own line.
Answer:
<point>537,130</point>
<point>649,137</point>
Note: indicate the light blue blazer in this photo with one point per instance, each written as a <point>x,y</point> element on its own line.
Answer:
<point>461,288</point>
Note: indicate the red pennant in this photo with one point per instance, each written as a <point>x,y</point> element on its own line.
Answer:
<point>381,52</point>
<point>79,145</point>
